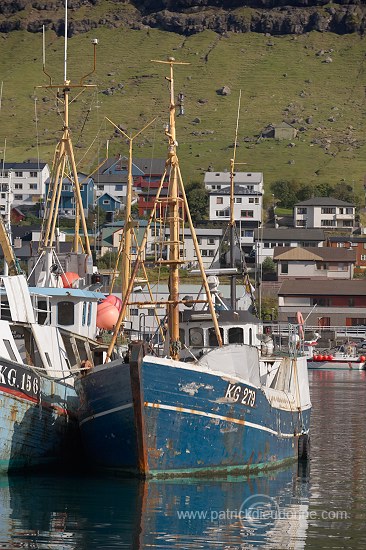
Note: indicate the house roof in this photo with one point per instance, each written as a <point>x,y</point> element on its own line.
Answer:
<point>347,239</point>
<point>151,165</point>
<point>239,177</point>
<point>288,234</point>
<point>23,165</point>
<point>323,201</point>
<point>343,287</point>
<point>107,195</point>
<point>238,190</point>
<point>322,253</point>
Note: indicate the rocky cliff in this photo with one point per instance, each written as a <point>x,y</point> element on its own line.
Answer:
<point>188,16</point>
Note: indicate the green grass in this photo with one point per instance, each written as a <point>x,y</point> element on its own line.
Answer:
<point>242,61</point>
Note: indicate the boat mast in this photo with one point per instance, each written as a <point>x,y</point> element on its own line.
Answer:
<point>232,213</point>
<point>64,156</point>
<point>126,242</point>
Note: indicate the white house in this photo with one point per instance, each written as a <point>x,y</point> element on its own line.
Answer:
<point>325,213</point>
<point>268,238</point>
<point>26,182</point>
<point>215,181</point>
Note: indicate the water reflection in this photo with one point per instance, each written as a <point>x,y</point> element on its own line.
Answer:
<point>287,508</point>
<point>106,513</point>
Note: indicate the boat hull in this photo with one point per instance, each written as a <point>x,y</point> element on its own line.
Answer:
<point>165,419</point>
<point>38,420</point>
<point>335,364</point>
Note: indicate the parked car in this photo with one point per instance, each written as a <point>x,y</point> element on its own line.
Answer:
<point>361,346</point>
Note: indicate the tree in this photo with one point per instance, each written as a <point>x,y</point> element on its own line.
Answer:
<point>197,197</point>
<point>268,265</point>
<point>323,190</point>
<point>285,193</point>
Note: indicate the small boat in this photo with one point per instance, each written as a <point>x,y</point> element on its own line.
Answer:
<point>344,357</point>
<point>212,400</point>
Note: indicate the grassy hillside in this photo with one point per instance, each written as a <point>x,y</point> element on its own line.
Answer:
<point>281,78</point>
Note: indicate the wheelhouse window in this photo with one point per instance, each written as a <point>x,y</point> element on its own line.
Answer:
<point>236,335</point>
<point>65,313</point>
<point>212,338</point>
<point>196,336</point>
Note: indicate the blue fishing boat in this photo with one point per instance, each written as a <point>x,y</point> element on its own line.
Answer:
<point>38,403</point>
<point>214,399</point>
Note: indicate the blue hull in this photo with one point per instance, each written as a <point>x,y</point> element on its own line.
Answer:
<point>159,420</point>
<point>38,420</point>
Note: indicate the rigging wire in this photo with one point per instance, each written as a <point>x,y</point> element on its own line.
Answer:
<point>37,131</point>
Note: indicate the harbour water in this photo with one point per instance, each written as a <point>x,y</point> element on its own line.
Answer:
<point>319,506</point>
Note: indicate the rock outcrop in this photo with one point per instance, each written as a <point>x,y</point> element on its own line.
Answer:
<point>276,17</point>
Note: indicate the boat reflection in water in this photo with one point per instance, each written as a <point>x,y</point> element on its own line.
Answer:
<point>93,513</point>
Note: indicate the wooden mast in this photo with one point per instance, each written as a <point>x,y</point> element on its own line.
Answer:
<point>64,156</point>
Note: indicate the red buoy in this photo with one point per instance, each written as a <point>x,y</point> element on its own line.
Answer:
<point>114,300</point>
<point>107,315</point>
<point>69,279</point>
<point>362,358</point>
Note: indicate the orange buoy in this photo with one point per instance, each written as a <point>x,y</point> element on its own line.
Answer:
<point>107,315</point>
<point>315,357</point>
<point>320,357</point>
<point>362,358</point>
<point>330,357</point>
<point>114,300</point>
<point>69,279</point>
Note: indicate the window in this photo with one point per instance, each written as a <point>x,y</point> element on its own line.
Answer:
<point>284,268</point>
<point>18,174</point>
<point>199,240</point>
<point>238,200</point>
<point>211,253</point>
<point>301,223</point>
<point>106,201</point>
<point>151,312</point>
<point>3,195</point>
<point>351,301</point>
<point>203,252</point>
<point>18,186</point>
<point>222,213</point>
<point>119,187</point>
<point>363,257</point>
<point>248,233</point>
<point>65,313</point>
<point>32,174</point>
<point>327,223</point>
<point>253,200</point>
<point>43,311</point>
<point>302,210</point>
<point>33,186</point>
<point>89,313</point>
<point>219,200</point>
<point>66,187</point>
<point>349,210</point>
<point>18,197</point>
<point>100,187</point>
<point>196,337</point>
<point>246,214</point>
<point>212,339</point>
<point>4,174</point>
<point>210,241</point>
<point>83,321</point>
<point>134,311</point>
<point>347,223</point>
<point>236,335</point>
<point>328,210</point>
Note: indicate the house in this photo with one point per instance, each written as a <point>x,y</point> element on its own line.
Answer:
<point>325,213</point>
<point>284,130</point>
<point>215,181</point>
<point>147,185</point>
<point>108,203</point>
<point>266,239</point>
<point>112,178</point>
<point>111,236</point>
<point>310,263</point>
<point>26,181</point>
<point>67,198</point>
<point>323,303</point>
<point>354,242</point>
<point>209,241</point>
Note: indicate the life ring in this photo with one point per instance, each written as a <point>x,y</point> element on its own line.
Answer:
<point>300,321</point>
